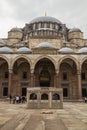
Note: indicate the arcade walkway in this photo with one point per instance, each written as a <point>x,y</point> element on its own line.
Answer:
<point>17,117</point>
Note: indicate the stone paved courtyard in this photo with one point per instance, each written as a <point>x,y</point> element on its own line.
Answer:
<point>17,117</point>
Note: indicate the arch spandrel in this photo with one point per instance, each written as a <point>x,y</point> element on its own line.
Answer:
<point>21,56</point>
<point>61,59</point>
<point>82,61</point>
<point>47,57</point>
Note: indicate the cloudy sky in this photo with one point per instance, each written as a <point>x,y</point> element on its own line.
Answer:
<point>15,13</point>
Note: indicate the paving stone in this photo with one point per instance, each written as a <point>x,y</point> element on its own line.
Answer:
<point>18,117</point>
<point>56,124</point>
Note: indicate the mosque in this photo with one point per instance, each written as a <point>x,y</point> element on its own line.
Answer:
<point>44,53</point>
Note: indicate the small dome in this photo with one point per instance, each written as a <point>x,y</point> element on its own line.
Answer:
<point>45,19</point>
<point>45,45</point>
<point>24,50</point>
<point>75,30</point>
<point>16,30</point>
<point>6,50</point>
<point>83,50</point>
<point>65,50</point>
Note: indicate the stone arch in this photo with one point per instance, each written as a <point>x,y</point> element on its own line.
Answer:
<point>47,57</point>
<point>44,71</point>
<point>6,59</point>
<point>21,56</point>
<point>33,96</point>
<point>68,57</point>
<point>68,69</point>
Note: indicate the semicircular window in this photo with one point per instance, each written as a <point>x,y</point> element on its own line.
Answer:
<point>44,96</point>
<point>33,96</point>
<point>55,96</point>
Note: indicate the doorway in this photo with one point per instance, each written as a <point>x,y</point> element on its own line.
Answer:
<point>84,92</point>
<point>44,78</point>
<point>24,91</point>
<point>44,73</point>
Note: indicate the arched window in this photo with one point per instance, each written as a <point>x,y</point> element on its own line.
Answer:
<point>55,96</point>
<point>33,96</point>
<point>44,96</point>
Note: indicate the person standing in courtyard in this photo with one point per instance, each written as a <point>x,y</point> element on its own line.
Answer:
<point>85,99</point>
<point>17,99</point>
<point>10,98</point>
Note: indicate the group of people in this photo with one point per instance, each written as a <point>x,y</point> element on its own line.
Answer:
<point>17,99</point>
<point>85,99</point>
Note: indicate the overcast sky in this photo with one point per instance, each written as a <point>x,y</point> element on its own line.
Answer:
<point>15,13</point>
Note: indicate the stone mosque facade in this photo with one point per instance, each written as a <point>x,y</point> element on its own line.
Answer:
<point>44,53</point>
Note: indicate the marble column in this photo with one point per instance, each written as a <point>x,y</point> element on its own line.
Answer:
<point>38,99</point>
<point>10,82</point>
<point>79,84</point>
<point>57,79</point>
<point>32,78</point>
<point>50,99</point>
<point>28,99</point>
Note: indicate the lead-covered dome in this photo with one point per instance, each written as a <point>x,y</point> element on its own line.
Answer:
<point>65,50</point>
<point>83,50</point>
<point>45,26</point>
<point>24,50</point>
<point>6,49</point>
<point>45,45</point>
<point>45,19</point>
<point>75,30</point>
<point>16,29</point>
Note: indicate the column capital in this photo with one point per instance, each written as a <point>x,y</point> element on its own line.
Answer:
<point>32,71</point>
<point>10,70</point>
<point>79,72</point>
<point>57,71</point>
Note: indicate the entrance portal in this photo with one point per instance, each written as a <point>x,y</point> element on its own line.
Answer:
<point>44,73</point>
<point>44,79</point>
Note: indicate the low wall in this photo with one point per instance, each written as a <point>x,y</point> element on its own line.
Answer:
<point>52,98</point>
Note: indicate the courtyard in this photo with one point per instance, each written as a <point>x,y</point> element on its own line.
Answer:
<point>17,117</point>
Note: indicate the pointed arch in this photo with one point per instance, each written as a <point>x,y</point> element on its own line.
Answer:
<point>47,57</point>
<point>21,56</point>
<point>68,57</point>
<point>44,70</point>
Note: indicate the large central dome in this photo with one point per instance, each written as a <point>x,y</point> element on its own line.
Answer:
<point>45,19</point>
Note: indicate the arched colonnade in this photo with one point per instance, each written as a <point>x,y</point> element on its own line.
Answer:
<point>20,72</point>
